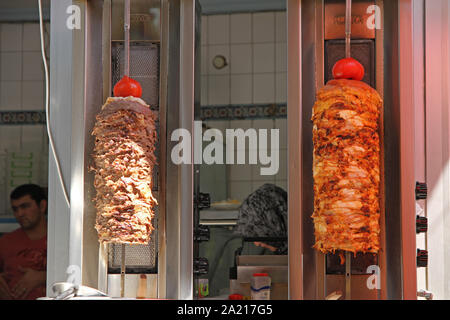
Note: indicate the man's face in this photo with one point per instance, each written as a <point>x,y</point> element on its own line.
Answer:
<point>27,212</point>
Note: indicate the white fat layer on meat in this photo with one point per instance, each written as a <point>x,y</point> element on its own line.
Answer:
<point>355,150</point>
<point>124,102</point>
<point>340,204</point>
<point>347,114</point>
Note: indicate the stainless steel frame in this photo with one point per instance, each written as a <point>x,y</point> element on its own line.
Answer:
<point>61,69</point>
<point>80,83</point>
<point>179,205</point>
<point>305,40</point>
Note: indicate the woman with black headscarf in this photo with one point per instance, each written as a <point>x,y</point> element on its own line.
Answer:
<point>264,215</point>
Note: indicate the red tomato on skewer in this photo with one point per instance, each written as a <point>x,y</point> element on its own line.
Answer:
<point>127,87</point>
<point>348,68</point>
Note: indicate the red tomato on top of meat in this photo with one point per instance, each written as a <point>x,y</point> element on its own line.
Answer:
<point>348,68</point>
<point>127,87</point>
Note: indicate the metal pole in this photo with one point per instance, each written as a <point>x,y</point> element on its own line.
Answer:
<point>126,27</point>
<point>126,72</point>
<point>348,27</point>
<point>122,272</point>
<point>348,276</point>
<point>348,35</point>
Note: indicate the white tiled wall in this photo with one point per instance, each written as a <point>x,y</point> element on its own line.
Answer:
<point>244,179</point>
<point>254,45</point>
<point>22,89</point>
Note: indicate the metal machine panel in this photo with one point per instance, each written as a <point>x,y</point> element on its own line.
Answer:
<point>382,64</point>
<point>164,59</point>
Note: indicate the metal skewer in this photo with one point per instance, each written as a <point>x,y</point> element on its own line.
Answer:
<point>122,272</point>
<point>348,27</point>
<point>126,27</point>
<point>348,276</point>
<point>348,35</point>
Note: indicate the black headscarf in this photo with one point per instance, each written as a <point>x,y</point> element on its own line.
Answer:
<point>264,214</point>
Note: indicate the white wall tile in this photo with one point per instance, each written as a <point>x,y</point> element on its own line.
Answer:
<point>221,125</point>
<point>281,87</point>
<point>257,74</point>
<point>244,125</point>
<point>263,57</point>
<point>241,88</point>
<point>280,27</point>
<point>282,184</point>
<point>240,172</point>
<point>10,138</point>
<point>217,125</point>
<point>282,169</point>
<point>47,39</point>
<point>241,124</point>
<point>281,57</point>
<point>33,68</point>
<point>272,165</point>
<point>16,93</point>
<point>3,143</point>
<point>219,29</point>
<point>241,28</point>
<point>260,183</point>
<point>204,35</point>
<point>10,95</point>
<point>33,95</point>
<point>10,37</point>
<point>256,173</point>
<point>32,138</point>
<point>281,124</point>
<point>31,37</point>
<point>218,50</point>
<point>204,60</point>
<point>263,123</point>
<point>263,27</point>
<point>241,58</point>
<point>239,190</point>
<point>264,88</point>
<point>219,90</point>
<point>204,89</point>
<point>11,66</point>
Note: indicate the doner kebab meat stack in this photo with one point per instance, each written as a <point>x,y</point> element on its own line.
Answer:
<point>346,167</point>
<point>125,141</point>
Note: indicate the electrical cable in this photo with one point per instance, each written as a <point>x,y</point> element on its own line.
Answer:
<point>47,113</point>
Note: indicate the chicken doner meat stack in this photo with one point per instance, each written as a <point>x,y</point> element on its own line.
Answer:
<point>346,167</point>
<point>125,140</point>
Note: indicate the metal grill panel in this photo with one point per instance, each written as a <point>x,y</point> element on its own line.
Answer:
<point>144,67</point>
<point>138,258</point>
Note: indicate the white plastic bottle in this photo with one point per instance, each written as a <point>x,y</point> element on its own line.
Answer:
<point>260,286</point>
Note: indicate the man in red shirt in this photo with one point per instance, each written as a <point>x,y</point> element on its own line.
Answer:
<point>23,252</point>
